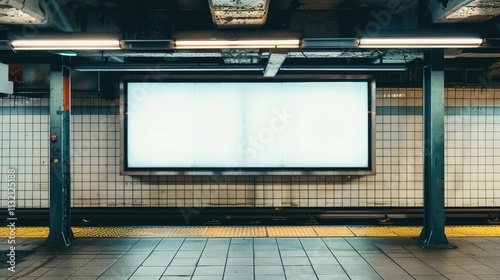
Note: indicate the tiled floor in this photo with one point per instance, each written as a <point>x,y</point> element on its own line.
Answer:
<point>257,258</point>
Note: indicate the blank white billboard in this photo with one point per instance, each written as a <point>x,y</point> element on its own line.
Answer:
<point>275,125</point>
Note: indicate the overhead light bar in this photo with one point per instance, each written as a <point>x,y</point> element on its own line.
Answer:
<point>346,68</point>
<point>237,44</point>
<point>329,43</point>
<point>146,45</point>
<point>421,42</point>
<point>67,42</point>
<point>62,44</point>
<point>168,68</point>
<point>240,39</point>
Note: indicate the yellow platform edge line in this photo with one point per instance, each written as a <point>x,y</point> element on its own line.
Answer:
<point>258,231</point>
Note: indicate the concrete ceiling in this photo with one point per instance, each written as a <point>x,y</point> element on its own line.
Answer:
<point>157,20</point>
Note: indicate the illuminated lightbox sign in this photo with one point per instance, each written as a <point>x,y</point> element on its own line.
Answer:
<point>247,125</point>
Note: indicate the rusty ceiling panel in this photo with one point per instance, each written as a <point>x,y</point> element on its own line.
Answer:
<point>21,12</point>
<point>463,10</point>
<point>476,11</point>
<point>234,13</point>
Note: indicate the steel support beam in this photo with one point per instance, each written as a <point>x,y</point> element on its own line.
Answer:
<point>433,234</point>
<point>60,233</point>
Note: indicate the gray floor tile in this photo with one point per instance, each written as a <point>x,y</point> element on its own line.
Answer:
<point>184,261</point>
<point>415,267</point>
<point>328,269</point>
<point>49,278</point>
<point>214,254</point>
<point>209,270</point>
<point>322,253</point>
<point>352,260</point>
<point>239,277</point>
<point>377,259</point>
<point>359,270</point>
<point>240,261</point>
<point>120,270</point>
<point>389,270</point>
<point>266,247</point>
<point>157,261</point>
<point>333,277</point>
<point>270,277</point>
<point>298,270</point>
<point>489,277</point>
<point>149,271</point>
<point>293,253</point>
<point>429,277</point>
<point>29,271</point>
<point>81,277</point>
<point>207,277</point>
<point>397,258</point>
<point>269,270</point>
<point>268,261</point>
<point>216,247</point>
<point>62,271</point>
<point>91,270</point>
<point>212,261</point>
<point>295,261</point>
<point>129,262</point>
<point>267,254</point>
<point>301,277</point>
<point>143,277</point>
<point>188,254</point>
<point>365,277</point>
<point>397,277</point>
<point>264,240</point>
<point>180,270</point>
<point>240,247</point>
<point>109,277</point>
<point>101,262</point>
<point>240,254</point>
<point>170,277</point>
<point>322,260</point>
<point>238,270</point>
<point>75,262</point>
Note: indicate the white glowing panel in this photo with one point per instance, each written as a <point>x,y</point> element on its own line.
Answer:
<point>248,125</point>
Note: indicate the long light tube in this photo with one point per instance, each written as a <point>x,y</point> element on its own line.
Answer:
<point>66,44</point>
<point>228,44</point>
<point>466,42</point>
<point>346,68</point>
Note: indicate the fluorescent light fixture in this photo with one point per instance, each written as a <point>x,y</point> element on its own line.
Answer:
<point>237,39</point>
<point>66,44</point>
<point>420,42</point>
<point>328,43</point>
<point>147,45</point>
<point>168,68</point>
<point>345,68</point>
<point>239,44</point>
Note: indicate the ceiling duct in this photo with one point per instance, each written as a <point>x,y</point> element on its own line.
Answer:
<point>239,13</point>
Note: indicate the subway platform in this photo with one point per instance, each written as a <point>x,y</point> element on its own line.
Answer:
<point>258,253</point>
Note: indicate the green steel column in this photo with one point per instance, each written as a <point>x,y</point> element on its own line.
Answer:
<point>60,233</point>
<point>433,235</point>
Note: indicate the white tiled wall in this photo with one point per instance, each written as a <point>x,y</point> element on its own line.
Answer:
<point>23,147</point>
<point>472,162</point>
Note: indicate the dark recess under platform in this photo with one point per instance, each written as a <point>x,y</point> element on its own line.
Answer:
<point>227,216</point>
